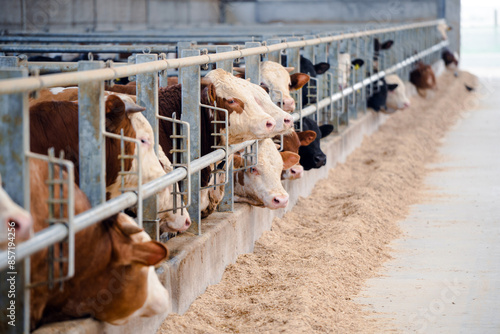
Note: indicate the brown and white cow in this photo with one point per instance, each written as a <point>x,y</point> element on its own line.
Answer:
<point>114,276</point>
<point>278,80</point>
<point>423,78</point>
<point>291,143</point>
<point>396,98</point>
<point>15,222</point>
<point>55,124</point>
<point>261,185</point>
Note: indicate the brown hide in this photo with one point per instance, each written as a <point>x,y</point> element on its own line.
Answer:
<point>110,280</point>
<point>423,78</point>
<point>55,124</point>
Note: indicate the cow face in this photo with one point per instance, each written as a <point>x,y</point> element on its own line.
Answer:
<point>312,156</point>
<point>278,80</point>
<point>378,100</point>
<point>309,90</point>
<point>13,219</point>
<point>261,185</point>
<point>344,68</point>
<point>396,99</point>
<point>292,143</point>
<point>120,104</point>
<point>252,113</point>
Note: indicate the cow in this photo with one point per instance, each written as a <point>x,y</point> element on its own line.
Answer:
<point>344,68</point>
<point>442,29</point>
<point>292,143</point>
<point>377,48</point>
<point>260,185</point>
<point>114,278</point>
<point>55,124</point>
<point>309,91</point>
<point>396,98</point>
<point>423,78</point>
<point>377,100</point>
<point>312,156</point>
<point>279,82</point>
<point>15,222</point>
<point>450,59</point>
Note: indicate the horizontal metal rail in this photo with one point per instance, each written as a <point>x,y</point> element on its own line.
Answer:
<point>77,48</point>
<point>12,86</point>
<point>57,233</point>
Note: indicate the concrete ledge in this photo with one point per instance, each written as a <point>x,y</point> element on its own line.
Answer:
<point>199,261</point>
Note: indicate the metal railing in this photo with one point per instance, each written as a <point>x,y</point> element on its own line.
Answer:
<point>91,77</point>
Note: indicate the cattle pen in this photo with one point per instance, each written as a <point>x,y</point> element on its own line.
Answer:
<point>193,53</point>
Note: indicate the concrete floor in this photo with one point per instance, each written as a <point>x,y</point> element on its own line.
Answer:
<point>445,275</point>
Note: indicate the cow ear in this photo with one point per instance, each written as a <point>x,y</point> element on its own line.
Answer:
<point>325,130</point>
<point>392,87</point>
<point>357,63</point>
<point>306,137</point>
<point>208,91</point>
<point>149,253</point>
<point>290,159</point>
<point>127,225</point>
<point>264,87</point>
<point>321,68</point>
<point>387,44</point>
<point>115,112</point>
<point>289,69</point>
<point>298,80</point>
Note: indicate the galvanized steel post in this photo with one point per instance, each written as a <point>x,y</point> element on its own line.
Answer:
<point>147,96</point>
<point>321,56</point>
<point>252,64</point>
<point>14,142</point>
<point>275,55</point>
<point>91,141</point>
<point>190,80</point>
<point>227,203</point>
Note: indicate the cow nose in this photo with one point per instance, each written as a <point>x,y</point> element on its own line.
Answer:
<point>270,124</point>
<point>280,201</point>
<point>406,105</point>
<point>296,171</point>
<point>320,160</point>
<point>188,222</point>
<point>288,121</point>
<point>288,104</point>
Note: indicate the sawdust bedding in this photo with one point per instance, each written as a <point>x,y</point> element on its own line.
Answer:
<point>305,272</point>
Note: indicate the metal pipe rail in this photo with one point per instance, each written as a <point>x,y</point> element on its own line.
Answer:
<point>12,86</point>
<point>58,232</point>
<point>77,48</point>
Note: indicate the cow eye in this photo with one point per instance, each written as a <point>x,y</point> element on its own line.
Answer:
<point>230,101</point>
<point>253,170</point>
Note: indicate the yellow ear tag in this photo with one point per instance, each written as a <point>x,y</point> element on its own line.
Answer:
<point>356,67</point>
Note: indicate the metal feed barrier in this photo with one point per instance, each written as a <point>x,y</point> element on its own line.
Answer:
<point>320,43</point>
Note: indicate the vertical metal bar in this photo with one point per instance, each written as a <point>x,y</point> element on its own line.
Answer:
<point>181,46</point>
<point>334,54</point>
<point>293,56</point>
<point>227,203</point>
<point>354,106</point>
<point>276,55</point>
<point>91,141</point>
<point>147,96</point>
<point>322,87</point>
<point>14,142</point>
<point>309,50</point>
<point>190,80</point>
<point>252,64</point>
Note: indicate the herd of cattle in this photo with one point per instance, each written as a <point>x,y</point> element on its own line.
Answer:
<point>114,268</point>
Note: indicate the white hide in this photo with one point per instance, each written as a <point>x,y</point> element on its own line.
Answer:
<point>344,69</point>
<point>277,78</point>
<point>258,110</point>
<point>262,184</point>
<point>396,99</point>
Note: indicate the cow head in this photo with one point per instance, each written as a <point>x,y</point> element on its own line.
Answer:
<point>261,185</point>
<point>120,107</point>
<point>309,91</point>
<point>292,143</point>
<point>312,156</point>
<point>252,115</point>
<point>345,64</point>
<point>396,99</point>
<point>13,219</point>
<point>378,100</point>
<point>377,48</point>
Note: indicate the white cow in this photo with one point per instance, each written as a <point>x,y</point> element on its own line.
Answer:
<point>397,98</point>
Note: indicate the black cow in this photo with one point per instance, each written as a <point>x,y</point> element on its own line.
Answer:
<point>377,100</point>
<point>311,156</point>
